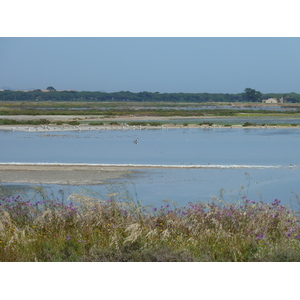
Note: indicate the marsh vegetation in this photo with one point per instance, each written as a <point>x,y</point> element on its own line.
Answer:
<point>90,229</point>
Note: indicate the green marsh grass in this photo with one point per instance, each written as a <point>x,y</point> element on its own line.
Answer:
<point>24,122</point>
<point>89,229</point>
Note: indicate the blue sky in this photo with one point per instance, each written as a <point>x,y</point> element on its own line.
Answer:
<point>154,64</point>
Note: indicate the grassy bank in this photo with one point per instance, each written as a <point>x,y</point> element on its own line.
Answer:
<point>147,112</point>
<point>114,109</point>
<point>89,229</point>
<point>78,121</point>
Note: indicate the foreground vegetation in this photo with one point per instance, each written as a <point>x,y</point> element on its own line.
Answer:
<point>89,229</point>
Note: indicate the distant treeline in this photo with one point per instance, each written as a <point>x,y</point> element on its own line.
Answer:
<point>38,95</point>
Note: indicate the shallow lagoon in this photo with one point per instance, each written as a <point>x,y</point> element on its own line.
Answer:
<point>198,146</point>
<point>218,146</point>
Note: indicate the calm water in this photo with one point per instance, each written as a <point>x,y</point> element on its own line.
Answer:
<point>223,147</point>
<point>157,146</point>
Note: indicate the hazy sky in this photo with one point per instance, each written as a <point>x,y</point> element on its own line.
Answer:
<point>154,64</point>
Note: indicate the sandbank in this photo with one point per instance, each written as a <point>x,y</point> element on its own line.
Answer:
<point>60,174</point>
<point>91,174</point>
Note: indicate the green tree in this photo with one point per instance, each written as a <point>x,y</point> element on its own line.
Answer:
<point>252,95</point>
<point>51,89</point>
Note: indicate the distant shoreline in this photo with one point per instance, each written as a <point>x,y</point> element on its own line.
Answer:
<point>97,122</point>
<point>60,122</point>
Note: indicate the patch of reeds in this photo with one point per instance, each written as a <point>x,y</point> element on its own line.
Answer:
<point>24,122</point>
<point>88,229</point>
<point>246,124</point>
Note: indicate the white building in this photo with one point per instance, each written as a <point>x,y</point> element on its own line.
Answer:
<point>273,100</point>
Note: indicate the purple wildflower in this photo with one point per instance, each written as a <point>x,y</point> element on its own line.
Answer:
<point>259,237</point>
<point>68,237</point>
<point>276,202</point>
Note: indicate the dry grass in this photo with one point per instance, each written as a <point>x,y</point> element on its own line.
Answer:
<point>89,229</point>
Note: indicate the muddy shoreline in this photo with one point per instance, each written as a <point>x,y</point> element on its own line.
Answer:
<point>60,174</point>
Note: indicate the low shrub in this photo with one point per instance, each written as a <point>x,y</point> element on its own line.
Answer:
<point>246,124</point>
<point>96,123</point>
<point>206,123</point>
<point>74,123</point>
